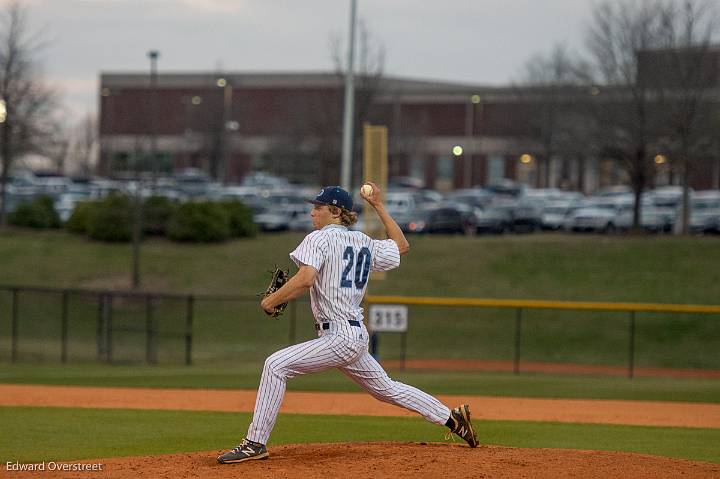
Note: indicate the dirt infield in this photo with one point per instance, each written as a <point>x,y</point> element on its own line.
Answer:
<point>639,413</point>
<point>397,460</point>
<point>378,460</point>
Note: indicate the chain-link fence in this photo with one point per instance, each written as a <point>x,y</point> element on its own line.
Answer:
<point>45,324</point>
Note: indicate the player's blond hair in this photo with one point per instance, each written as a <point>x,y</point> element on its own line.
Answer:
<point>347,218</point>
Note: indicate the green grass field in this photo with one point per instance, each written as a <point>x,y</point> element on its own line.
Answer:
<point>636,269</point>
<point>542,266</point>
<point>68,434</point>
<point>231,339</point>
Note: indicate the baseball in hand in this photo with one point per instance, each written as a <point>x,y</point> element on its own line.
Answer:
<point>366,190</point>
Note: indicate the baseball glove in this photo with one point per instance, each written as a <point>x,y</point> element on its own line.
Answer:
<point>279,278</point>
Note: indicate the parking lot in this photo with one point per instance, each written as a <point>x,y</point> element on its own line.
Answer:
<point>506,208</point>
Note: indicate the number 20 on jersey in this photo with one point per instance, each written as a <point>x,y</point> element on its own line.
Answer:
<point>361,262</point>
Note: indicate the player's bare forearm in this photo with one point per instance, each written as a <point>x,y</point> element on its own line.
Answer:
<point>392,229</point>
<point>374,198</point>
<point>296,286</point>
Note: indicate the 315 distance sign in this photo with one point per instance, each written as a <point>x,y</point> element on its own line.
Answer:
<point>388,318</point>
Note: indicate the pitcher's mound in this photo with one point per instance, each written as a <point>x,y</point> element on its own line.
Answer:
<point>398,460</point>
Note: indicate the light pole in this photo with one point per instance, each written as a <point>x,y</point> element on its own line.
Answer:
<point>348,114</point>
<point>528,170</point>
<point>227,126</point>
<point>153,55</point>
<point>138,224</point>
<point>469,133</point>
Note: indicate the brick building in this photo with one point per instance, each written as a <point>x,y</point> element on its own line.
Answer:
<point>290,124</point>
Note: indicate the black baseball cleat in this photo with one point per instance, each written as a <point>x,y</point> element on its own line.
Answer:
<point>246,451</point>
<point>462,426</point>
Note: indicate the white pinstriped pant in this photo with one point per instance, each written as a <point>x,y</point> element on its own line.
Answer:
<point>343,347</point>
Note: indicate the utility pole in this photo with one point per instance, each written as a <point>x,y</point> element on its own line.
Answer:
<point>138,223</point>
<point>348,114</point>
<point>228,126</point>
<point>153,55</point>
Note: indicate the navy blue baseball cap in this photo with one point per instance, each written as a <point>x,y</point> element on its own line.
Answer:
<point>333,196</point>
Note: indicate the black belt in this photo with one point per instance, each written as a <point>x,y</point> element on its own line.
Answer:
<point>327,325</point>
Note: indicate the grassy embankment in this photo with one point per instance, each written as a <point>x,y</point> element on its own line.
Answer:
<point>555,267</point>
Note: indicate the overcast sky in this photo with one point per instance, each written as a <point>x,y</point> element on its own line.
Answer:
<point>474,41</point>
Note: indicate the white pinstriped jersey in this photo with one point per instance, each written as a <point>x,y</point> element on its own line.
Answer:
<point>343,260</point>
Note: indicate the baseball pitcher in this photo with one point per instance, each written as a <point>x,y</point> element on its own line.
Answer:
<point>334,264</point>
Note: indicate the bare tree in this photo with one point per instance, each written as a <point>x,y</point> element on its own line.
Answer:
<point>685,75</point>
<point>627,111</point>
<point>371,67</point>
<point>313,125</point>
<point>547,86</point>
<point>57,148</point>
<point>85,145</point>
<point>27,119</point>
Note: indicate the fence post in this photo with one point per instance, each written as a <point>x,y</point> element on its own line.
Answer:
<point>64,328</point>
<point>100,327</point>
<point>109,328</point>
<point>188,330</point>
<point>518,335</point>
<point>150,333</point>
<point>631,352</point>
<point>14,326</point>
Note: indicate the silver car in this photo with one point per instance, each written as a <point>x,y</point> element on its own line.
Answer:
<point>602,217</point>
<point>705,212</point>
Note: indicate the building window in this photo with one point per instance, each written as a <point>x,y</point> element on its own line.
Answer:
<point>417,168</point>
<point>496,168</point>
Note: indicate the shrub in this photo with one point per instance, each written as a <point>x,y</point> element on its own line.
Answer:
<point>199,222</point>
<point>112,219</point>
<point>79,221</point>
<point>38,213</point>
<point>157,211</point>
<point>241,219</point>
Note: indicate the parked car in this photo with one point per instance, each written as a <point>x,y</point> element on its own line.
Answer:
<point>100,188</point>
<point>705,212</point>
<point>601,217</point>
<point>265,182</point>
<point>397,202</point>
<point>570,197</point>
<point>541,195</point>
<point>237,193</point>
<point>434,219</point>
<point>468,213</point>
<point>406,182</point>
<point>428,197</point>
<point>657,220</point>
<point>52,184</point>
<point>293,204</point>
<point>652,219</point>
<point>193,183</point>
<point>23,183</point>
<point>614,191</point>
<point>505,189</point>
<point>301,223</point>
<point>20,189</point>
<point>666,196</point>
<point>526,217</point>
<point>554,215</point>
<point>66,202</point>
<point>494,219</point>
<point>476,197</point>
<point>271,217</point>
